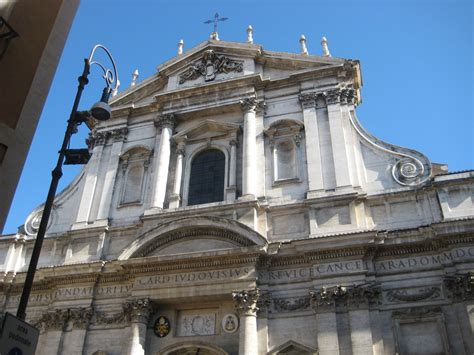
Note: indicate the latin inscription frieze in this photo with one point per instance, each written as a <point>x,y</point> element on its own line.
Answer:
<point>72,293</point>
<point>194,277</point>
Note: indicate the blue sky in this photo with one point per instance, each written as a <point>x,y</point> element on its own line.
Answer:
<point>416,55</point>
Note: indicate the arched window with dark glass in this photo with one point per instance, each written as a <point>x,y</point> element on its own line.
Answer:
<point>206,183</point>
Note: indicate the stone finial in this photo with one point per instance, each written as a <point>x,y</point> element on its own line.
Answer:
<point>214,36</point>
<point>115,91</point>
<point>324,44</point>
<point>134,77</point>
<point>180,47</point>
<point>304,50</point>
<point>250,34</point>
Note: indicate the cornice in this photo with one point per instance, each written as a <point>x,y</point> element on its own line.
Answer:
<point>148,265</point>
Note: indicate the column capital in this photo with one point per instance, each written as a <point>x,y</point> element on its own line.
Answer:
<point>138,310</point>
<point>346,296</point>
<point>181,144</point>
<point>460,286</point>
<point>333,96</point>
<point>308,99</point>
<point>348,96</point>
<point>251,104</point>
<point>165,121</point>
<point>96,138</point>
<point>234,142</point>
<point>246,301</point>
<point>61,318</point>
<point>119,134</point>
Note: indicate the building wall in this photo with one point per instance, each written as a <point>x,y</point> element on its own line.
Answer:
<point>327,240</point>
<point>27,70</point>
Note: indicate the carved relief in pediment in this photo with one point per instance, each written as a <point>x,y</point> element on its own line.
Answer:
<point>209,66</point>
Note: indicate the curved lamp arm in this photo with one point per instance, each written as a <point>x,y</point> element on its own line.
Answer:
<point>111,78</point>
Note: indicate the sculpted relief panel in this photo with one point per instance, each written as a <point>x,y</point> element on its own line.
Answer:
<point>197,322</point>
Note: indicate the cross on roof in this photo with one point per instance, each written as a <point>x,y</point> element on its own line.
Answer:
<point>216,19</point>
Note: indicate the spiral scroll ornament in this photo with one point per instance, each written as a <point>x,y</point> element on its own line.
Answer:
<point>408,171</point>
<point>33,222</point>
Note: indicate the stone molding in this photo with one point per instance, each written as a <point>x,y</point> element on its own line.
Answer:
<point>419,295</point>
<point>460,286</point>
<point>264,302</point>
<point>291,304</point>
<point>59,318</point>
<point>192,233</point>
<point>209,66</point>
<point>354,296</point>
<point>417,312</point>
<point>246,301</point>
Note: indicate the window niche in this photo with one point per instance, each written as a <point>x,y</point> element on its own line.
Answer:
<point>134,166</point>
<point>420,330</point>
<point>284,141</point>
<point>207,180</point>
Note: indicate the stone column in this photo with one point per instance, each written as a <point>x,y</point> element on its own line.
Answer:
<point>323,304</point>
<point>161,164</point>
<point>338,141</point>
<point>354,155</point>
<point>313,148</point>
<point>97,140</point>
<point>232,188</point>
<point>249,159</point>
<point>175,198</point>
<point>118,137</point>
<point>75,330</point>
<point>138,312</point>
<point>246,305</point>
<point>361,333</point>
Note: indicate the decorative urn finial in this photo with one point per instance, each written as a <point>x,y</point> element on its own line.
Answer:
<point>134,77</point>
<point>250,34</point>
<point>324,44</point>
<point>304,50</point>
<point>180,47</point>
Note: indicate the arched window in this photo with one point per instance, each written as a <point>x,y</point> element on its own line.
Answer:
<point>206,183</point>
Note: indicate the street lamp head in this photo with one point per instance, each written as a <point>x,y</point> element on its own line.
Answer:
<point>101,110</point>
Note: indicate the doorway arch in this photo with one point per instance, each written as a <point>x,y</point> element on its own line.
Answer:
<point>192,348</point>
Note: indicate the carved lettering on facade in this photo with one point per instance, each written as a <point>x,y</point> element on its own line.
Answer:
<point>193,277</point>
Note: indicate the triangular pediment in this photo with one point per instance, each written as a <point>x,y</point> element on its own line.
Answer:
<point>215,61</point>
<point>291,347</point>
<point>208,129</point>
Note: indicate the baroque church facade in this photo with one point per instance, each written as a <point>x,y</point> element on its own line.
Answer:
<point>235,205</point>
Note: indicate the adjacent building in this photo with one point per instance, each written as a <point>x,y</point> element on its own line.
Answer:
<point>234,204</point>
<point>32,37</point>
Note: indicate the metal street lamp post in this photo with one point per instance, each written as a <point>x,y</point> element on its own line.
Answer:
<point>100,111</point>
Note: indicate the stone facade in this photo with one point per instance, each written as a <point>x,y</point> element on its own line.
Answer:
<point>323,239</point>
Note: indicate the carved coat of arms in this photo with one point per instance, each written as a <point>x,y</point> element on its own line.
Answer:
<point>209,65</point>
